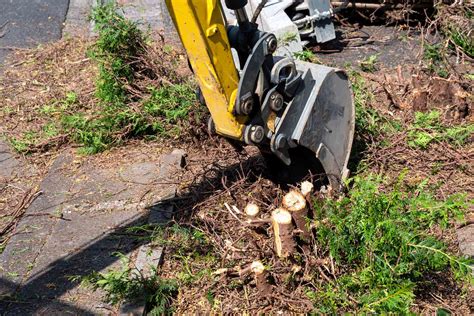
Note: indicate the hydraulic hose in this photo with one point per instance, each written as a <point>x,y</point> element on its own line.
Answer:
<point>258,10</point>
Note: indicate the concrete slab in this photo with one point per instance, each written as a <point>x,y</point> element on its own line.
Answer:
<point>77,19</point>
<point>150,14</point>
<point>466,240</point>
<point>8,162</point>
<point>76,226</point>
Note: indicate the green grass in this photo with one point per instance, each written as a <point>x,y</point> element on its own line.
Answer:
<point>23,144</point>
<point>427,128</point>
<point>380,241</point>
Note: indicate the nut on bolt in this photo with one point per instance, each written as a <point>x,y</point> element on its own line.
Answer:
<point>246,106</point>
<point>272,44</point>
<point>257,134</point>
<point>276,101</point>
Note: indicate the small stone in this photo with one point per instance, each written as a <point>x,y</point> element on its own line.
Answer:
<point>148,259</point>
<point>466,240</point>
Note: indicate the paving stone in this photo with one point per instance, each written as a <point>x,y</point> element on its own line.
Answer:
<point>148,259</point>
<point>132,309</point>
<point>8,162</point>
<point>144,172</point>
<point>77,19</point>
<point>21,252</point>
<point>149,14</point>
<point>76,225</point>
<point>160,213</point>
<point>466,240</point>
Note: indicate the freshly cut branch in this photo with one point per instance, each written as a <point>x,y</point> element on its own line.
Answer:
<point>295,203</point>
<point>306,188</point>
<point>283,230</point>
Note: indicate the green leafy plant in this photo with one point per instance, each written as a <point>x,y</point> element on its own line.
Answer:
<point>306,55</point>
<point>129,284</point>
<point>427,128</point>
<point>434,54</point>
<point>380,242</point>
<point>369,64</point>
<point>132,101</point>
<point>118,47</point>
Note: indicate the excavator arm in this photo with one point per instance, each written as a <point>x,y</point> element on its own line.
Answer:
<point>276,103</point>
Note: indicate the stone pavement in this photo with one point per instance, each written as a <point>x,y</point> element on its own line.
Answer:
<point>150,14</point>
<point>75,226</point>
<point>8,162</point>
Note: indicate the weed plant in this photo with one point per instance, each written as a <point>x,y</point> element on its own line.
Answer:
<point>129,284</point>
<point>427,128</point>
<point>380,242</point>
<point>307,55</point>
<point>457,25</point>
<point>188,246</point>
<point>434,56</point>
<point>370,63</point>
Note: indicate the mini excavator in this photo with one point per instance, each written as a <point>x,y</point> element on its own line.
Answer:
<point>294,111</point>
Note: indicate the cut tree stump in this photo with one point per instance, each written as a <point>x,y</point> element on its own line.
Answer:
<point>252,209</point>
<point>295,203</point>
<point>283,230</point>
<point>306,188</point>
<point>260,276</point>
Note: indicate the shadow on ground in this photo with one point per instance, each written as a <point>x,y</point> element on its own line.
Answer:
<point>40,294</point>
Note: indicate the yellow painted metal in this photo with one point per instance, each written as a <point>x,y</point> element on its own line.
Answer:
<point>202,30</point>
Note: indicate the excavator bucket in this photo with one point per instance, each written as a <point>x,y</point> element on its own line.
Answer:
<point>320,118</point>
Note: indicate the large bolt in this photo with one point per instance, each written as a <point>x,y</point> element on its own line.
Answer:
<point>272,44</point>
<point>276,101</point>
<point>280,141</point>
<point>257,133</point>
<point>246,106</point>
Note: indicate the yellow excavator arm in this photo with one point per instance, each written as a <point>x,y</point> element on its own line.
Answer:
<point>301,113</point>
<point>201,27</point>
